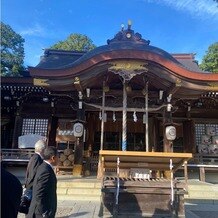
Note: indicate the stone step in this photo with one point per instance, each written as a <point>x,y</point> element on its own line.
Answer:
<point>79,191</point>
<point>79,198</point>
<point>78,184</point>
<point>202,191</point>
<point>196,201</point>
<point>203,188</point>
<point>203,194</point>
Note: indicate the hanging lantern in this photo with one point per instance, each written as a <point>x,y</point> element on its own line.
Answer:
<point>170,133</point>
<point>78,129</point>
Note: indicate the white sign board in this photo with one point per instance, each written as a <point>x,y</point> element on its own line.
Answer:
<point>28,141</point>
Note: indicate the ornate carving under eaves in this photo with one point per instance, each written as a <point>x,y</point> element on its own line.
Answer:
<point>201,103</point>
<point>128,35</point>
<point>213,86</point>
<point>128,69</point>
<point>117,102</point>
<point>208,103</point>
<point>40,82</point>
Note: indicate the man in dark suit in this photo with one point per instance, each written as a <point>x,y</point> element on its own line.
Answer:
<point>34,163</point>
<point>44,198</point>
<point>11,191</point>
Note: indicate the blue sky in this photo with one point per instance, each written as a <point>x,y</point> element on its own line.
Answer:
<point>177,26</point>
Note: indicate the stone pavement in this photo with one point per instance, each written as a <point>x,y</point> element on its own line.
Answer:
<point>88,209</point>
<point>79,209</point>
<point>202,202</point>
<point>199,210</point>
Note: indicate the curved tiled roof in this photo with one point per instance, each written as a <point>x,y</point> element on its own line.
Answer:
<point>126,45</point>
<point>54,59</point>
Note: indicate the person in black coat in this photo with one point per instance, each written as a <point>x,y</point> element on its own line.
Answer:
<point>34,163</point>
<point>44,197</point>
<point>11,191</point>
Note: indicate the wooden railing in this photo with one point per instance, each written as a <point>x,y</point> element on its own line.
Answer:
<point>206,158</point>
<point>202,169</point>
<point>16,155</point>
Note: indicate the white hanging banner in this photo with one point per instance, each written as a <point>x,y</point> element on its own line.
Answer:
<point>114,117</point>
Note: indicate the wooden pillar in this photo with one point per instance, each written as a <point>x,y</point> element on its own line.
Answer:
<point>99,174</point>
<point>53,122</point>
<point>152,134</point>
<point>79,149</point>
<point>78,157</point>
<point>146,118</point>
<point>167,145</point>
<point>202,174</point>
<point>91,128</point>
<point>17,128</point>
<point>186,172</point>
<point>189,143</point>
<point>156,134</point>
<point>102,117</point>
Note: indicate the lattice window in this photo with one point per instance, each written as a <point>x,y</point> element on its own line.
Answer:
<point>35,126</point>
<point>200,129</point>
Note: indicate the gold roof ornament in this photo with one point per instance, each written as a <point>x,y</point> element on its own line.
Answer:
<point>129,24</point>
<point>76,80</point>
<point>128,69</point>
<point>40,82</point>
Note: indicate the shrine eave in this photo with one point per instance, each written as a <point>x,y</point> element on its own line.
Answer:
<point>17,80</point>
<point>172,66</point>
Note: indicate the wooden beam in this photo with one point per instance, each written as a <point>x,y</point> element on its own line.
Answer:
<point>174,88</point>
<point>146,154</point>
<point>178,165</point>
<point>144,183</point>
<point>117,93</point>
<point>186,172</point>
<point>202,174</point>
<point>128,109</point>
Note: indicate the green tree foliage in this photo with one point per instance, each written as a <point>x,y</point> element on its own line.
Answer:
<point>12,51</point>
<point>210,60</point>
<point>75,42</point>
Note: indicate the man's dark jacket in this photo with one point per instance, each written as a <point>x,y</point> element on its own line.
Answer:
<point>11,191</point>
<point>44,199</point>
<point>34,163</point>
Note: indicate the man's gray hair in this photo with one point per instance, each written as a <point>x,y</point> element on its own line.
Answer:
<point>40,146</point>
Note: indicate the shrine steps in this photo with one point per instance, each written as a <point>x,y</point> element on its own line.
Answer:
<point>201,200</point>
<point>78,189</point>
<point>201,191</point>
